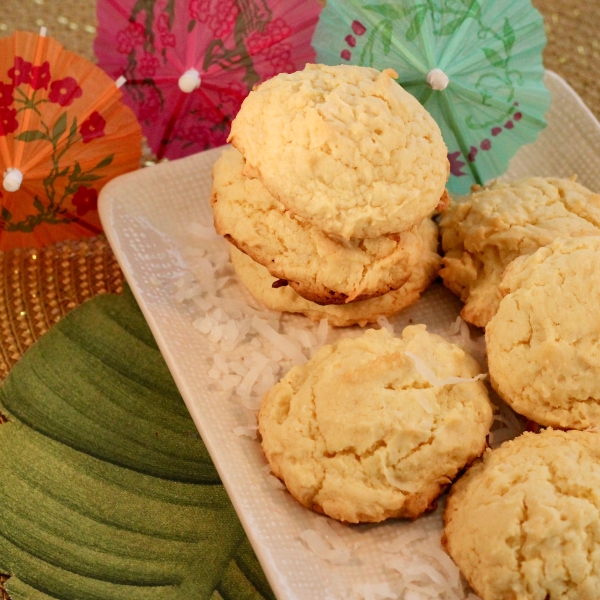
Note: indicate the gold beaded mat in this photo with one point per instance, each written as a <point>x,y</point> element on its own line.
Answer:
<point>38,287</point>
<point>41,286</point>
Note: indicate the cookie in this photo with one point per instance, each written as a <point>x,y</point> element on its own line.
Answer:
<point>260,283</point>
<point>359,434</point>
<point>524,522</point>
<point>484,232</point>
<point>543,344</point>
<point>345,148</point>
<point>319,268</point>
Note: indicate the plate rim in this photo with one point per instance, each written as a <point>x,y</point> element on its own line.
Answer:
<point>108,199</point>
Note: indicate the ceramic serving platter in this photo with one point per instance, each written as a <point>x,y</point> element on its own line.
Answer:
<point>147,216</point>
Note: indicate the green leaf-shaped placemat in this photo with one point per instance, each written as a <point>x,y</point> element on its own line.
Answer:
<point>106,490</point>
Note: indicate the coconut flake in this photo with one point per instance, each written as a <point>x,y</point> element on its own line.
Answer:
<point>449,568</point>
<point>419,572</point>
<point>203,325</point>
<point>250,431</point>
<point>204,232</point>
<point>245,387</point>
<point>402,541</point>
<point>423,400</point>
<point>229,382</point>
<point>280,341</point>
<point>325,529</point>
<point>215,333</point>
<point>202,303</point>
<point>326,543</point>
<point>409,487</point>
<point>374,591</point>
<point>426,372</point>
<point>322,332</point>
<point>498,437</point>
<point>304,337</point>
<point>385,324</point>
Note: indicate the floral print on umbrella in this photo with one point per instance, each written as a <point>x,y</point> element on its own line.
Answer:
<point>75,184</point>
<point>233,45</point>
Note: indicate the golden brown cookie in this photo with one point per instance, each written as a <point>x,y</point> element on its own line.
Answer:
<point>543,344</point>
<point>524,522</point>
<point>345,148</point>
<point>260,283</point>
<point>482,233</point>
<point>360,434</point>
<point>319,268</point>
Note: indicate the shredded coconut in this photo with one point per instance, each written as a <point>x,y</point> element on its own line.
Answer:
<point>251,432</point>
<point>322,332</point>
<point>323,548</point>
<point>385,324</point>
<point>251,348</point>
<point>374,591</point>
<point>203,231</point>
<point>278,340</point>
<point>402,541</point>
<point>426,372</point>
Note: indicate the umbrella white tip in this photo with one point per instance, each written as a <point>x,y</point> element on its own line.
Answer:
<point>12,179</point>
<point>121,81</point>
<point>437,79</point>
<point>43,32</point>
<point>189,81</point>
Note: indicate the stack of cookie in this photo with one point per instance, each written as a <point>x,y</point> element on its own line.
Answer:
<point>329,192</point>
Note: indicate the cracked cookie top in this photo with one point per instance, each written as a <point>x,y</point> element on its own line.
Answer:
<point>319,268</point>
<point>360,434</point>
<point>482,233</point>
<point>543,344</point>
<point>524,522</point>
<point>345,148</point>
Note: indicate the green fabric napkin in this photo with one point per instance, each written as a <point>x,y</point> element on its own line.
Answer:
<point>106,489</point>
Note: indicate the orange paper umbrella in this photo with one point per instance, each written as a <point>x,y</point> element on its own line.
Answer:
<point>64,133</point>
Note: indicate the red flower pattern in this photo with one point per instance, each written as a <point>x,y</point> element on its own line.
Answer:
<point>21,72</point>
<point>40,76</point>
<point>85,200</point>
<point>148,65</point>
<point>127,39</point>
<point>64,91</point>
<point>92,127</point>
<point>8,120</point>
<point>6,94</point>
<point>275,32</point>
<point>218,15</point>
<point>167,40</point>
<point>280,57</point>
<point>150,108</point>
<point>202,134</point>
<point>231,97</point>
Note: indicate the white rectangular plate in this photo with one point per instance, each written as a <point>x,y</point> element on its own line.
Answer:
<point>146,216</point>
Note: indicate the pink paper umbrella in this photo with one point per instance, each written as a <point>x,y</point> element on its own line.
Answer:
<point>189,64</point>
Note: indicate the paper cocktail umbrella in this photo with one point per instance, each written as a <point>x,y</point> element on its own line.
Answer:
<point>476,65</point>
<point>189,64</point>
<point>63,134</point>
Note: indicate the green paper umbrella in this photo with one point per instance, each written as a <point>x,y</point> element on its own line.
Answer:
<point>476,65</point>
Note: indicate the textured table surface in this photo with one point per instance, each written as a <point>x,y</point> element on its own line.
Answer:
<point>38,287</point>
